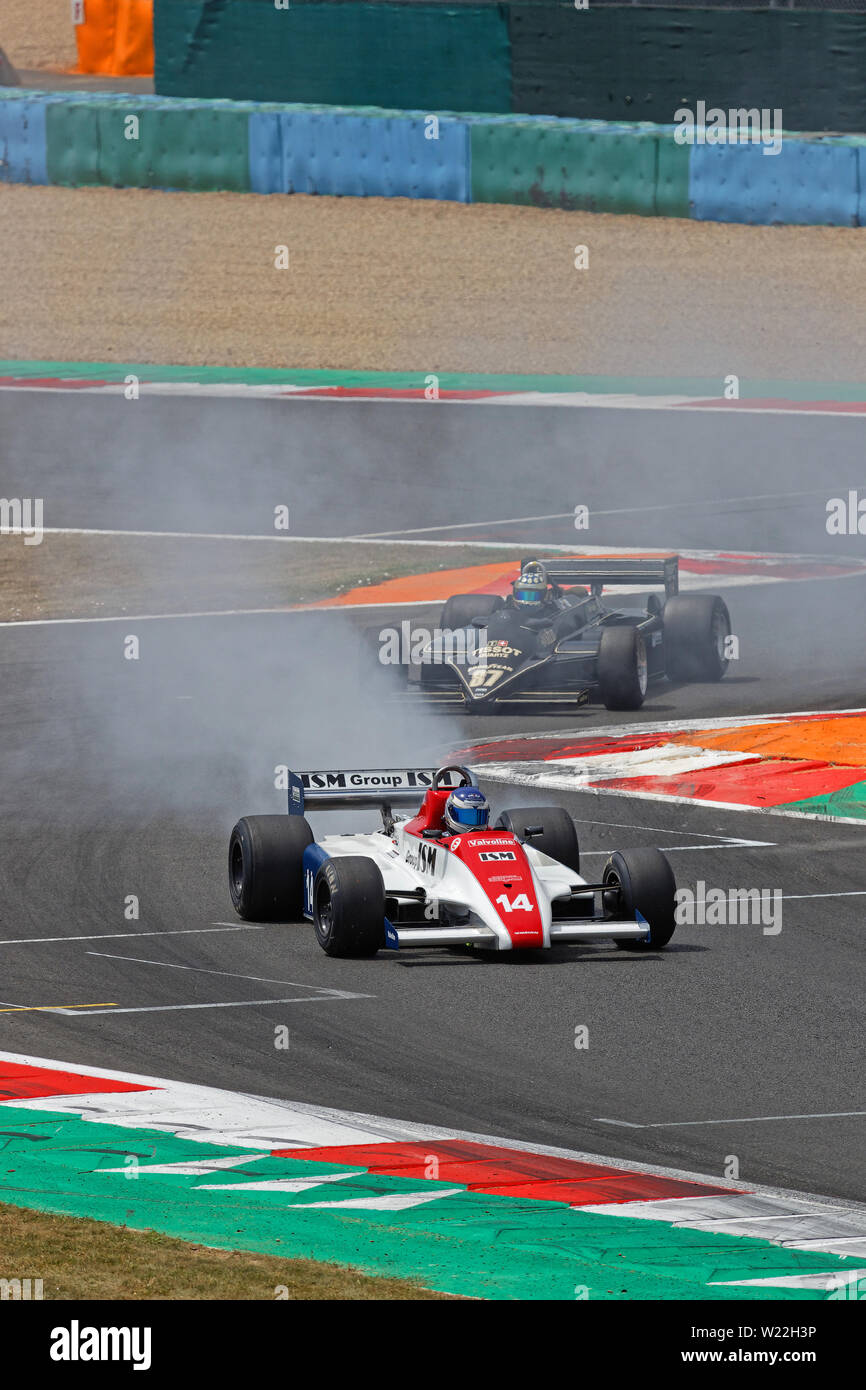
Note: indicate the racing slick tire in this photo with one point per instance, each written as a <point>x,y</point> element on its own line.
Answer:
<point>622,668</point>
<point>459,610</point>
<point>265,875</point>
<point>642,881</point>
<point>349,906</point>
<point>695,629</point>
<point>559,840</point>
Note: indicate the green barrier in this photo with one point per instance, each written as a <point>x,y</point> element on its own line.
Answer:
<point>556,164</point>
<point>126,145</point>
<point>72,143</point>
<point>672,177</point>
<point>416,56</point>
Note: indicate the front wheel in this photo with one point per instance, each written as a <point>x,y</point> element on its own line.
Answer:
<point>622,668</point>
<point>349,907</point>
<point>642,880</point>
<point>559,838</point>
<point>459,610</point>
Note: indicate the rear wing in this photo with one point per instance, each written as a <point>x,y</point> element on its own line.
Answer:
<point>332,790</point>
<point>665,569</point>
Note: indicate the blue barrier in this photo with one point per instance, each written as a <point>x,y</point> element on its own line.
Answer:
<point>809,182</point>
<point>360,156</point>
<point>365,152</point>
<point>22,142</point>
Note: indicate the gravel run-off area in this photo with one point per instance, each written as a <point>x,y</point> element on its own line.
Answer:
<point>135,275</point>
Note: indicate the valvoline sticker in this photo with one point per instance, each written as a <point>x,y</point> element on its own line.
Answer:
<point>499,863</point>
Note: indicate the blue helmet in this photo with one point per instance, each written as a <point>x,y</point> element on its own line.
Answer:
<point>531,588</point>
<point>467,808</point>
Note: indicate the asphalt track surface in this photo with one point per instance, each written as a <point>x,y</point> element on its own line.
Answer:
<point>123,778</point>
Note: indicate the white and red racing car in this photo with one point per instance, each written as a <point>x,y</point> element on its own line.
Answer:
<point>415,882</point>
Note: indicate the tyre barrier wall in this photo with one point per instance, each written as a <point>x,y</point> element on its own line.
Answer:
<point>76,139</point>
<point>539,57</point>
<point>359,155</point>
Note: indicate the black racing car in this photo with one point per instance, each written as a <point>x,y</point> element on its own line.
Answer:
<point>554,639</point>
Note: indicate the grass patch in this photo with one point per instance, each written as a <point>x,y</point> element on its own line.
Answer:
<point>79,1259</point>
<point>107,576</point>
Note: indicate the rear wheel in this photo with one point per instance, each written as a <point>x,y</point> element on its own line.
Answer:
<point>349,907</point>
<point>559,840</point>
<point>696,629</point>
<point>642,880</point>
<point>622,668</point>
<point>265,875</point>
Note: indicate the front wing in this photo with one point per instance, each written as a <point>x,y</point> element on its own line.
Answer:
<point>562,932</point>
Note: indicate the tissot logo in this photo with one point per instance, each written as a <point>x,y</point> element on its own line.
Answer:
<point>498,648</point>
<point>77,1343</point>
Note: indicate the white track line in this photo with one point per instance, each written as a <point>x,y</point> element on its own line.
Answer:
<point>127,935</point>
<point>675,849</point>
<point>288,540</point>
<point>257,979</point>
<point>228,1004</point>
<point>160,617</point>
<point>824,1282</point>
<point>740,1120</point>
<point>402,537</point>
<point>613,511</point>
<point>854,893</point>
<point>346,609</point>
<point>735,841</point>
<point>328,611</point>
